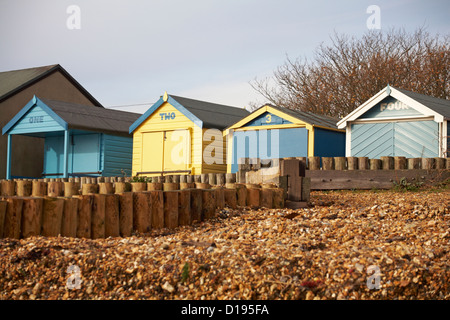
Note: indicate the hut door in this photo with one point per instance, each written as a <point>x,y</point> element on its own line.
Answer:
<point>152,151</point>
<point>176,146</point>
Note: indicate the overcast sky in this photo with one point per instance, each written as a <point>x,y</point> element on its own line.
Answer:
<point>131,52</point>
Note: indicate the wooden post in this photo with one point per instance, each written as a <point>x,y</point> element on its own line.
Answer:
<point>186,185</point>
<point>204,178</point>
<point>278,198</point>
<point>196,205</point>
<point>340,163</point>
<point>399,163</point>
<point>314,163</point>
<point>3,205</point>
<point>105,188</point>
<point>69,218</point>
<point>327,163</point>
<point>84,215</point>
<point>157,208</point>
<point>171,209</point>
<point>253,197</point>
<point>387,163</point>
<point>8,188</point>
<point>24,188</point>
<point>112,216</point>
<point>89,188</point>
<point>52,216</point>
<point>241,192</point>
<point>208,203</point>
<point>141,212</point>
<point>231,198</point>
<point>414,163</point>
<point>448,164</point>
<point>138,186</point>
<point>171,186</point>
<point>352,163</point>
<point>13,218</point>
<point>39,188</point>
<point>154,186</point>
<point>184,207</point>
<point>375,164</point>
<point>125,213</point>
<point>363,163</point>
<point>428,163</point>
<point>212,179</point>
<point>122,187</point>
<point>306,188</point>
<point>266,198</point>
<point>201,185</point>
<point>55,189</point>
<point>230,178</point>
<point>220,197</point>
<point>71,189</point>
<point>32,216</point>
<point>440,163</point>
<point>98,217</point>
<point>220,179</point>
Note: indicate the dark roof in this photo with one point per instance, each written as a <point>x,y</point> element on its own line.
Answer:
<point>12,82</point>
<point>93,119</point>
<point>213,115</point>
<point>309,117</point>
<point>441,106</point>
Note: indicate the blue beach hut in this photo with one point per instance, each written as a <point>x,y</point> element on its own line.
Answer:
<point>79,140</point>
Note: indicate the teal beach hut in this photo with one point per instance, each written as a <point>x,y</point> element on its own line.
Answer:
<point>79,140</point>
<point>397,122</point>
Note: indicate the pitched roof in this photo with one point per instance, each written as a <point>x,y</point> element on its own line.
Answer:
<point>213,115</point>
<point>202,113</point>
<point>309,117</point>
<point>427,105</point>
<point>81,117</point>
<point>12,82</point>
<point>94,119</point>
<point>441,106</point>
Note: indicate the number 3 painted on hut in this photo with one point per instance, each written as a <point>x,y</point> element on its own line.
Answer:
<point>269,118</point>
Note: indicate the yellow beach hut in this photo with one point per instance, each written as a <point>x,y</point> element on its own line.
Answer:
<point>180,135</point>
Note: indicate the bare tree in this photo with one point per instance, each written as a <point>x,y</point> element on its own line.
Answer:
<point>344,74</point>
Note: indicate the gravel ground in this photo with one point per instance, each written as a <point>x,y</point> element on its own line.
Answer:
<point>347,245</point>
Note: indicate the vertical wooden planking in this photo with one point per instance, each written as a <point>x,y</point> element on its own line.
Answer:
<point>363,163</point>
<point>112,216</point>
<point>70,217</point>
<point>32,216</point>
<point>387,162</point>
<point>98,217</point>
<point>8,188</point>
<point>231,198</point>
<point>340,163</point>
<point>184,207</point>
<point>23,188</point>
<point>13,218</point>
<point>84,215</point>
<point>352,163</point>
<point>208,204</point>
<point>52,216</point>
<point>141,212</point>
<point>125,213</point>
<point>3,205</point>
<point>196,205</point>
<point>400,163</point>
<point>157,208</point>
<point>171,209</point>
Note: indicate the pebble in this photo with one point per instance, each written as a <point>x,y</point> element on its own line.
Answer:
<point>316,253</point>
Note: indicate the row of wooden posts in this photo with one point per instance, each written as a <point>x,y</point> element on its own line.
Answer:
<point>109,210</point>
<point>352,163</point>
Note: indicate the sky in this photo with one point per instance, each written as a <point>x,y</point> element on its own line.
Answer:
<point>128,53</point>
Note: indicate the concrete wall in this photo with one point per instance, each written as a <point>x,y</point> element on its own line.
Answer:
<point>29,150</point>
